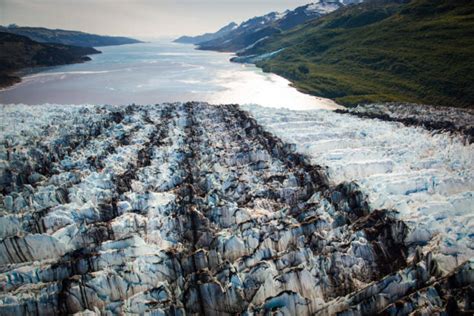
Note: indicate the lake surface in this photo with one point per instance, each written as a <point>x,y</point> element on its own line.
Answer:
<point>158,72</point>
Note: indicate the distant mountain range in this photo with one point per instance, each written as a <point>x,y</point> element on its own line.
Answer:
<point>76,38</point>
<point>235,37</point>
<point>208,36</point>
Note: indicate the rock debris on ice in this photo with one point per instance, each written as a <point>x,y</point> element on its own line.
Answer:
<point>428,178</point>
<point>195,209</point>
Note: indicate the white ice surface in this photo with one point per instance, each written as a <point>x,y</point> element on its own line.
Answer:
<point>427,178</point>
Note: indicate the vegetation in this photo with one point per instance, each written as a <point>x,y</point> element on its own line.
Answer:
<point>75,38</point>
<point>418,51</point>
<point>18,52</point>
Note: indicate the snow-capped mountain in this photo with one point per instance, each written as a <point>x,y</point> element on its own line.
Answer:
<point>208,36</point>
<point>301,14</point>
<point>257,28</point>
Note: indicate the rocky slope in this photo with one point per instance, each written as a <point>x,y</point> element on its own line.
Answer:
<point>195,209</point>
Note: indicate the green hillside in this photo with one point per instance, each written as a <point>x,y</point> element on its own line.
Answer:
<point>416,51</point>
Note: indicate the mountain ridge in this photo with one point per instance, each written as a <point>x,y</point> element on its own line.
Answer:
<point>255,29</point>
<point>207,36</point>
<point>67,37</point>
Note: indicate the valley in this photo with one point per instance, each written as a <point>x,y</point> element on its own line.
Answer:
<point>311,160</point>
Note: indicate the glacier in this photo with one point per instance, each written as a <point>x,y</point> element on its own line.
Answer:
<point>428,178</point>
<point>190,208</point>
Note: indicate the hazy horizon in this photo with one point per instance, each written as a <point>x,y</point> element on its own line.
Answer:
<point>139,18</point>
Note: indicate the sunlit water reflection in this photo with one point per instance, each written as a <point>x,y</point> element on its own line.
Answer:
<point>159,72</point>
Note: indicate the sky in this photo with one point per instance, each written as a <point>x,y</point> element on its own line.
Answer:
<point>138,18</point>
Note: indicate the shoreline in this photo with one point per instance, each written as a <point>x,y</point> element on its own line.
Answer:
<point>17,76</point>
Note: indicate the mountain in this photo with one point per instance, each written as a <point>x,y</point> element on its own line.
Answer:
<point>419,51</point>
<point>208,36</point>
<point>18,52</point>
<point>75,38</point>
<point>260,27</point>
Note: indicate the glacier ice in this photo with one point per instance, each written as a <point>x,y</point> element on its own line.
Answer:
<point>427,177</point>
<point>189,208</point>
